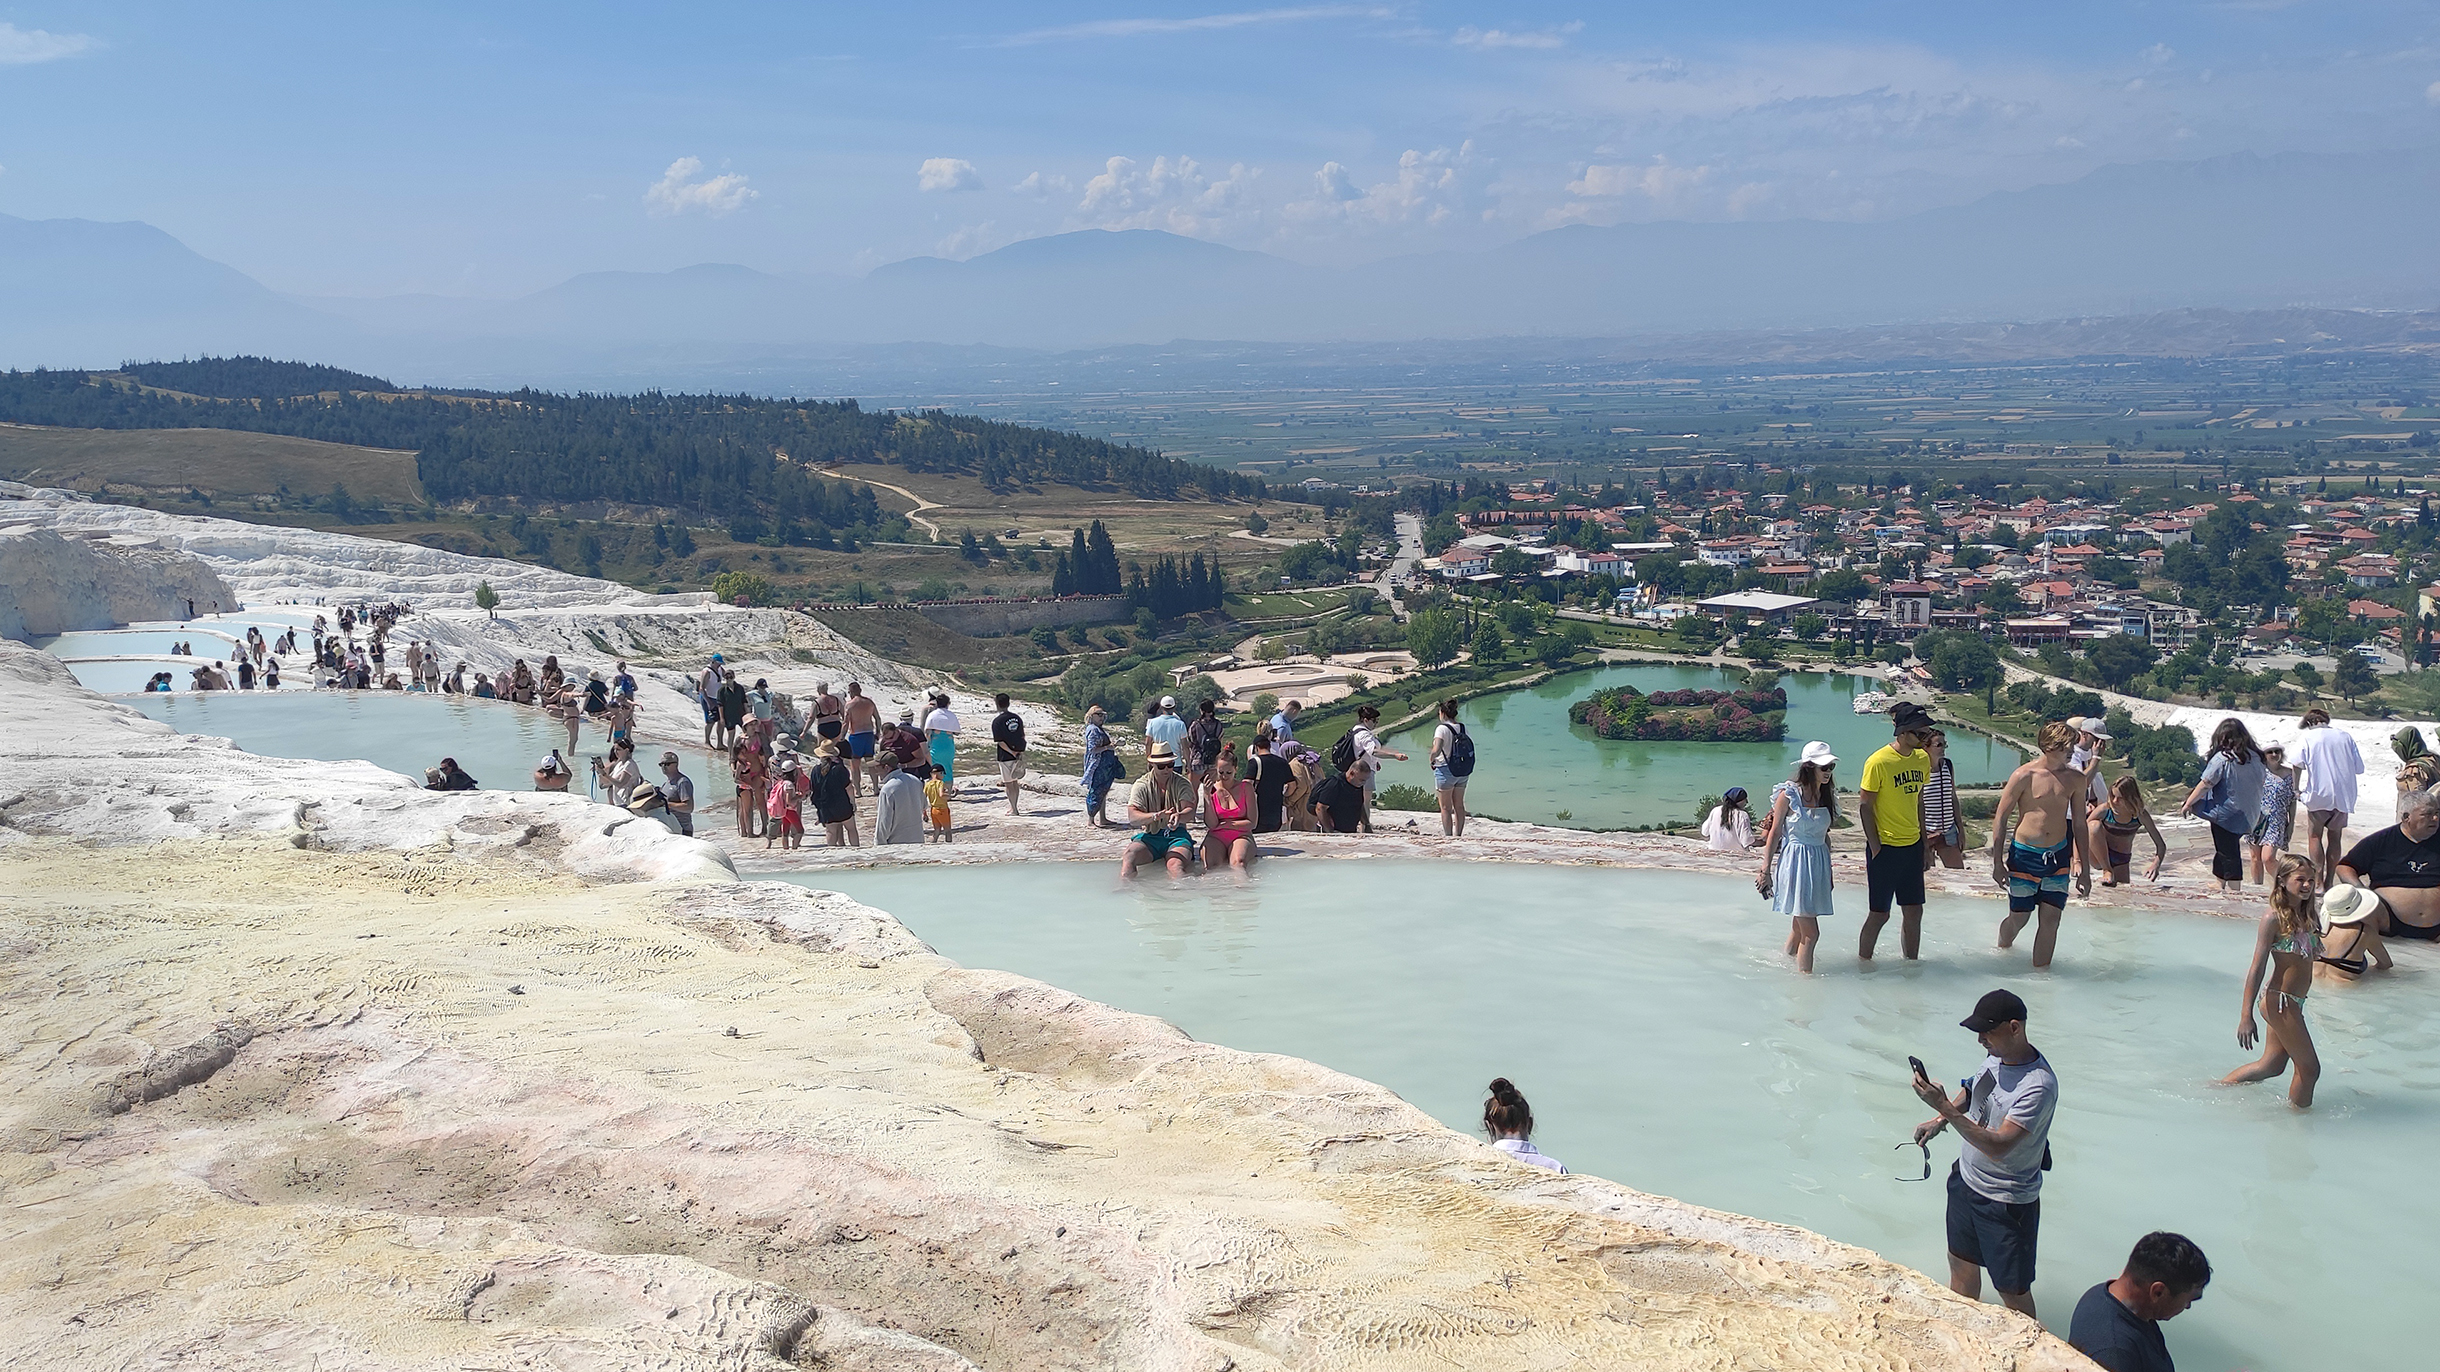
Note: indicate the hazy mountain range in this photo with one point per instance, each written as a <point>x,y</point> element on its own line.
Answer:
<point>2157,241</point>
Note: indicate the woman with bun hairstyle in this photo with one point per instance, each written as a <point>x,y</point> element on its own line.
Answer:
<point>1509,1122</point>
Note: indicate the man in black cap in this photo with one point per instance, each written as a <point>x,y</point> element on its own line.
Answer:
<point>1890,812</point>
<point>1995,1188</point>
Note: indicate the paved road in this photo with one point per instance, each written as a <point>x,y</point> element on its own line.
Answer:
<point>1410,552</point>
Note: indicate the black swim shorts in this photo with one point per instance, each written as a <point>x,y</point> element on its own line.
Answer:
<point>1993,1235</point>
<point>1895,874</point>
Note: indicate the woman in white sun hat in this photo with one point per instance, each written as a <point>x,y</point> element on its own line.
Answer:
<point>2351,942</point>
<point>1796,861</point>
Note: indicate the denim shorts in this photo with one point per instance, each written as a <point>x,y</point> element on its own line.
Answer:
<point>1444,779</point>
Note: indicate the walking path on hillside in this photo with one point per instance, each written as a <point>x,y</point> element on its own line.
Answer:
<point>913,516</point>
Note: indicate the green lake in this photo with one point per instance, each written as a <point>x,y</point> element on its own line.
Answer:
<point>1531,763</point>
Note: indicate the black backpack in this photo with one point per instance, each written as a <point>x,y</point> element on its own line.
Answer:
<point>1204,737</point>
<point>1460,757</point>
<point>1343,752</point>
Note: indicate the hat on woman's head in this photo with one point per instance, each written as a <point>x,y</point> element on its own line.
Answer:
<point>1818,753</point>
<point>2348,905</point>
<point>1733,795</point>
<point>643,798</point>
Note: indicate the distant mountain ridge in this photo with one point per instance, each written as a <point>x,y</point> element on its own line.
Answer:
<point>2232,234</point>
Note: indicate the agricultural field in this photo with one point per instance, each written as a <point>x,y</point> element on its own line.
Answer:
<point>229,466</point>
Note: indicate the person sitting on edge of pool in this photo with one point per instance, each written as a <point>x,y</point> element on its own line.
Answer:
<point>2401,865</point>
<point>2117,1324</point>
<point>1509,1122</point>
<point>448,777</point>
<point>1162,802</point>
<point>1338,798</point>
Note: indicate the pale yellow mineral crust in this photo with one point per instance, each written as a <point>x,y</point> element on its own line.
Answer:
<point>272,1107</point>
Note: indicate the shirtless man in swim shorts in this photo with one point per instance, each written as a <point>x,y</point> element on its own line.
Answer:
<point>2046,796</point>
<point>863,733</point>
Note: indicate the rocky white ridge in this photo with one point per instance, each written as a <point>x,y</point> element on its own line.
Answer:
<point>361,1069</point>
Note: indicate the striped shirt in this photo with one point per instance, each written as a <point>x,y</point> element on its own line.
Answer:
<point>1940,802</point>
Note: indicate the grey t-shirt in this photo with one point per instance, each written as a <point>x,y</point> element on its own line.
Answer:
<point>2240,805</point>
<point>677,790</point>
<point>2028,1093</point>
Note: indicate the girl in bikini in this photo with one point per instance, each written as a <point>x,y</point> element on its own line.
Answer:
<point>1232,824</point>
<point>2286,944</point>
<point>2121,820</point>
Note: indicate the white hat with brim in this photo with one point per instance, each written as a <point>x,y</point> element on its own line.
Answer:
<point>644,797</point>
<point>1818,753</point>
<point>1160,752</point>
<point>2348,905</point>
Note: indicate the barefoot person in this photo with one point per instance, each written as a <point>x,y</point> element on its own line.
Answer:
<point>2287,943</point>
<point>2401,864</point>
<point>1008,743</point>
<point>1890,812</point>
<point>2046,796</point>
<point>2117,1324</point>
<point>1509,1122</point>
<point>2330,764</point>
<point>1944,836</point>
<point>2269,840</point>
<point>1995,1187</point>
<point>1102,768</point>
<point>1795,873</point>
<point>1230,840</point>
<point>863,735</point>
<point>1452,763</point>
<point>1162,802</point>
<point>2229,797</point>
<point>2119,821</point>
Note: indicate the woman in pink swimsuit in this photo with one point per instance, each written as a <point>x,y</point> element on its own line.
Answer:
<point>1232,824</point>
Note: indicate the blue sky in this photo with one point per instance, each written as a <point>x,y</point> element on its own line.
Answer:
<point>494,149</point>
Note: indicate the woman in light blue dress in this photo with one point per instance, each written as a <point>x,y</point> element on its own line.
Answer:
<point>1796,861</point>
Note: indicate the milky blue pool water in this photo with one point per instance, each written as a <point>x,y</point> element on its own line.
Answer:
<point>1532,765</point>
<point>1665,1044</point>
<point>499,744</point>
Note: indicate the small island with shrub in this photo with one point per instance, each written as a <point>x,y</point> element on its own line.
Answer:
<point>1685,716</point>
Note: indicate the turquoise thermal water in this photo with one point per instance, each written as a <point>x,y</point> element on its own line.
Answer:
<point>1531,763</point>
<point>141,643</point>
<point>496,742</point>
<point>1666,1044</point>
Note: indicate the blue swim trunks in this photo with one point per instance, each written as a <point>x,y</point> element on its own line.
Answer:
<point>860,745</point>
<point>2037,876</point>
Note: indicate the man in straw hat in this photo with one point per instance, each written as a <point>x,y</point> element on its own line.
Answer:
<point>1162,802</point>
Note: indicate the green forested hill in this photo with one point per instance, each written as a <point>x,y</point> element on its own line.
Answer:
<point>717,454</point>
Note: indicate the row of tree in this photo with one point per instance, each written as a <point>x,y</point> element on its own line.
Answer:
<point>728,454</point>
<point>1089,566</point>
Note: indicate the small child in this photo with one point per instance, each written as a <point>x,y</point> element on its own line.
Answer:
<point>936,799</point>
<point>784,816</point>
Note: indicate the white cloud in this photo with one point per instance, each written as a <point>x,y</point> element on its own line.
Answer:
<point>1039,186</point>
<point>1664,183</point>
<point>1174,195</point>
<point>19,47</point>
<point>1431,188</point>
<point>2432,92</point>
<point>678,191</point>
<point>1489,39</point>
<point>2158,55</point>
<point>1200,23</point>
<point>947,174</point>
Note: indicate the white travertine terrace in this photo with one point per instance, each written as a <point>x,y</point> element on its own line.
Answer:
<point>301,1065</point>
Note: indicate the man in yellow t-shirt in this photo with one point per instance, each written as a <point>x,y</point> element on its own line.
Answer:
<point>1890,812</point>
